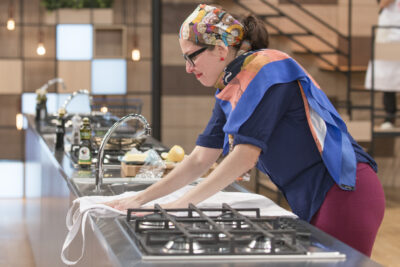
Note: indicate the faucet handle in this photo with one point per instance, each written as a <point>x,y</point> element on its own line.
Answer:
<point>148,131</point>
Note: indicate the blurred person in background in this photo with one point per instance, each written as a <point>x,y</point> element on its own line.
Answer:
<point>387,72</point>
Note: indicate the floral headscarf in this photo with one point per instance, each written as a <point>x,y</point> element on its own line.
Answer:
<point>211,25</point>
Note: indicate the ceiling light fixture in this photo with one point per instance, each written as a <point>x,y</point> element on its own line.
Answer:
<point>11,21</point>
<point>135,50</point>
<point>40,50</point>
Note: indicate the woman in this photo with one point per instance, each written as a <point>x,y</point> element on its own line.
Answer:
<point>269,112</point>
<point>387,72</point>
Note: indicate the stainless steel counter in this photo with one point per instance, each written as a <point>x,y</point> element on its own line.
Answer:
<point>51,189</point>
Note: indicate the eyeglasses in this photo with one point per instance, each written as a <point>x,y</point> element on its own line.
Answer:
<point>189,58</point>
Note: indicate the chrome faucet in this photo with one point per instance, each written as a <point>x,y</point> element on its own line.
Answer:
<point>71,96</point>
<point>44,87</point>
<point>100,155</point>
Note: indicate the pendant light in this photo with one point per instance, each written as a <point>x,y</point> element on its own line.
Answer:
<point>11,21</point>
<point>135,50</point>
<point>40,50</point>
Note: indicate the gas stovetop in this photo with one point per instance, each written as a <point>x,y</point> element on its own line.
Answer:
<point>220,234</point>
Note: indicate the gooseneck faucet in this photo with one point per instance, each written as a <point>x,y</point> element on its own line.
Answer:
<point>44,87</point>
<point>77,92</point>
<point>100,155</point>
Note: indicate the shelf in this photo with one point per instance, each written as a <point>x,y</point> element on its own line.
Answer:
<point>109,41</point>
<point>395,131</point>
<point>343,68</point>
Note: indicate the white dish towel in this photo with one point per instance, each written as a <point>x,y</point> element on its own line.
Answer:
<point>81,207</point>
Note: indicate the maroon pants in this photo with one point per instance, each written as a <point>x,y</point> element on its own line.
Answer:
<point>354,217</point>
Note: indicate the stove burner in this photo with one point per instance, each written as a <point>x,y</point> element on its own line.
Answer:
<point>154,221</point>
<point>182,245</point>
<point>226,215</point>
<point>260,244</point>
<point>162,236</point>
<point>204,235</point>
<point>201,226</point>
<point>235,223</point>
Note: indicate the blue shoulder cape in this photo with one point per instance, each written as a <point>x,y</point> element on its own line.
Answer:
<point>244,83</point>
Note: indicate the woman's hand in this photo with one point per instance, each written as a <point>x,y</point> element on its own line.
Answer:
<point>124,203</point>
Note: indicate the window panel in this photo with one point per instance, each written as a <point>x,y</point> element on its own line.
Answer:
<point>74,42</point>
<point>109,76</point>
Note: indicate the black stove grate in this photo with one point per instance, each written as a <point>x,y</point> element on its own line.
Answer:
<point>216,231</point>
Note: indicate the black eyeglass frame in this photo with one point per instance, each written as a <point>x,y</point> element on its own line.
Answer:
<point>189,58</point>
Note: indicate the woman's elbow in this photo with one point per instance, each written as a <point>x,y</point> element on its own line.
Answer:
<point>204,156</point>
<point>249,154</point>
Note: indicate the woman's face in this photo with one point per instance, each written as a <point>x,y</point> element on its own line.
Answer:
<point>207,64</point>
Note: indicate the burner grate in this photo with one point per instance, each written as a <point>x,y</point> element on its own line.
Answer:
<point>224,231</point>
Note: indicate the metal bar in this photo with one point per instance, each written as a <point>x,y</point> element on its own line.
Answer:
<point>271,16</point>
<point>362,107</point>
<point>202,215</point>
<point>33,24</point>
<point>21,48</point>
<point>299,24</point>
<point>303,46</point>
<point>178,225</point>
<point>292,39</point>
<point>55,53</point>
<point>319,53</point>
<point>156,69</point>
<point>386,134</point>
<point>371,150</point>
<point>298,34</point>
<point>254,225</point>
<point>317,19</point>
<point>247,220</point>
<point>349,63</point>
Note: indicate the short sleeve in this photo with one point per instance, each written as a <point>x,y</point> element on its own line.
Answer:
<point>213,135</point>
<point>280,101</point>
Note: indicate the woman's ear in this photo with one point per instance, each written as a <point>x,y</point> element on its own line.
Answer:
<point>221,49</point>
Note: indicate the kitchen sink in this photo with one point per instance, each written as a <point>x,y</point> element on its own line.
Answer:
<point>99,122</point>
<point>112,186</point>
<point>116,185</point>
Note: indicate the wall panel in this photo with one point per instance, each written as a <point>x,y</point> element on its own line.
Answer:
<point>139,76</point>
<point>177,82</point>
<point>37,73</point>
<point>10,104</point>
<point>10,76</point>
<point>76,75</point>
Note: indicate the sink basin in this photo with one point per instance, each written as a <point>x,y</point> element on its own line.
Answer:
<point>112,186</point>
<point>99,122</point>
<point>116,180</point>
<point>116,185</point>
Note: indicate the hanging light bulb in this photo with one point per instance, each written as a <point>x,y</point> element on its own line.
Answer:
<point>19,121</point>
<point>41,50</point>
<point>11,21</point>
<point>135,50</point>
<point>104,109</point>
<point>135,54</point>
<point>10,24</point>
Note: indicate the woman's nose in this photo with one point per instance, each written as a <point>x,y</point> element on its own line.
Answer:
<point>189,67</point>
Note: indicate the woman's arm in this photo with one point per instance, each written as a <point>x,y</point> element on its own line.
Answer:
<point>192,167</point>
<point>385,3</point>
<point>240,160</point>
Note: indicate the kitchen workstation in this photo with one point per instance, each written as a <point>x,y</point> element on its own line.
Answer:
<point>257,233</point>
<point>176,132</point>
